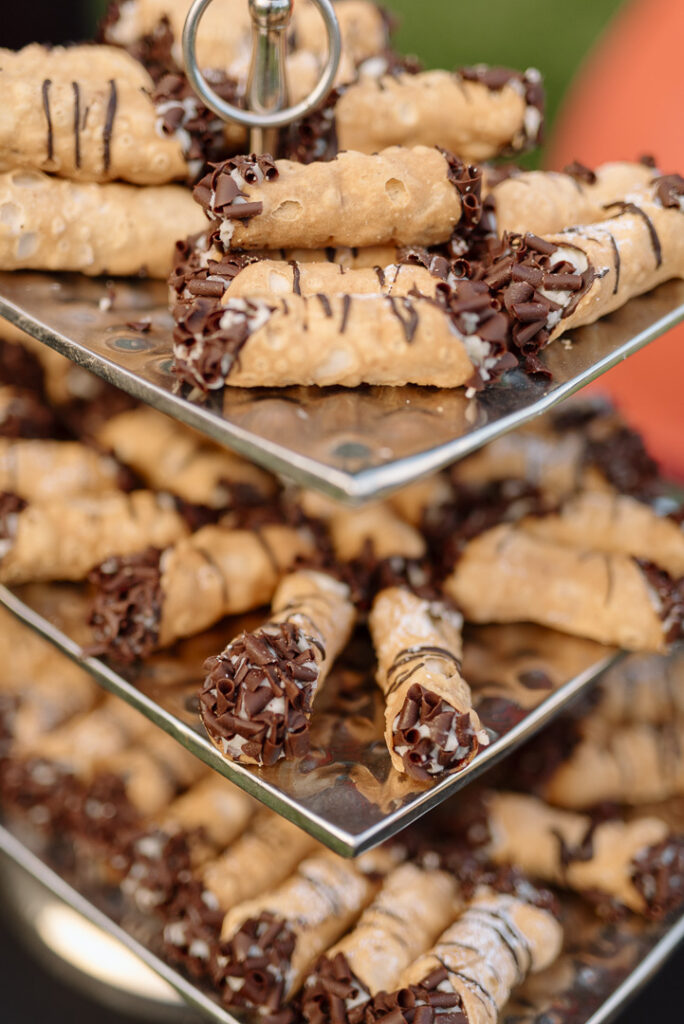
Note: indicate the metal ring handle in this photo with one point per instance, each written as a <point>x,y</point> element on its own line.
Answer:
<point>252,119</point>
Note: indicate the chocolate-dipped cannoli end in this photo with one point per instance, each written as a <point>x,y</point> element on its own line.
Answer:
<point>160,863</point>
<point>433,999</point>
<point>253,967</point>
<point>258,693</point>
<point>126,611</point>
<point>333,994</point>
<point>432,738</point>
<point>658,875</point>
<point>193,927</point>
<point>668,596</point>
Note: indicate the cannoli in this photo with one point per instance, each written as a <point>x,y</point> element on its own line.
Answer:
<point>150,599</point>
<point>415,500</point>
<point>271,277</point>
<point>552,284</point>
<point>99,229</point>
<point>23,414</point>
<point>224,37</point>
<point>411,910</point>
<point>258,693</point>
<point>542,202</point>
<point>400,196</point>
<point>169,456</point>
<point>614,523</point>
<point>249,342</point>
<point>259,860</point>
<point>430,725</point>
<point>50,688</point>
<point>44,470</point>
<point>607,859</point>
<point>646,688</point>
<point>87,113</point>
<point>269,943</point>
<point>631,764</point>
<point>476,113</point>
<point>507,575</point>
<point>64,539</point>
<point>470,972</point>
<point>87,739</point>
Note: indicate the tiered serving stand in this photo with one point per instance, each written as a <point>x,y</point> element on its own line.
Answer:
<point>356,446</point>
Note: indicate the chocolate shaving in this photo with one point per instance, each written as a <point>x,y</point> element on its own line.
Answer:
<point>127,606</point>
<point>670,597</point>
<point>467,180</point>
<point>255,961</point>
<point>429,1002</point>
<point>333,993</point>
<point>669,191</point>
<point>180,110</point>
<point>277,664</point>
<point>499,714</point>
<point>580,172</point>
<point>621,457</point>
<point>430,736</point>
<point>218,190</point>
<point>193,929</point>
<point>658,874</point>
<point>207,365</point>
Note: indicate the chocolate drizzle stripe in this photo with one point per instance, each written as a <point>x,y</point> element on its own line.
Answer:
<point>296,277</point>
<point>616,254</point>
<point>325,304</point>
<point>652,233</point>
<point>77,123</point>
<point>45,89</point>
<point>109,125</point>
<point>410,321</point>
<point>481,992</point>
<point>346,305</point>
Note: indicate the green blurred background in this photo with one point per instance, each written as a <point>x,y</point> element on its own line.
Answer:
<point>549,34</point>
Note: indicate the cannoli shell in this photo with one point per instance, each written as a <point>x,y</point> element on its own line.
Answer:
<point>214,805</point>
<point>352,529</point>
<point>614,523</point>
<point>401,622</point>
<point>113,229</point>
<point>64,540</point>
<point>276,277</point>
<point>86,740</point>
<point>219,571</point>
<point>170,456</point>
<point>399,196</point>
<point>646,688</point>
<point>411,910</point>
<point>40,470</point>
<point>507,575</point>
<point>102,121</point>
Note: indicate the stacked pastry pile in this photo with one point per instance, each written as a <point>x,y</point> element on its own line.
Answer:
<point>450,921</point>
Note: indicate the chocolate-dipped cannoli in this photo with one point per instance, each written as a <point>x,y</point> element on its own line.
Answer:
<point>152,598</point>
<point>609,860</point>
<point>49,688</point>
<point>476,113</point>
<point>259,860</point>
<point>42,470</point>
<point>615,523</point>
<point>166,455</point>
<point>468,976</point>
<point>258,694</point>
<point>92,113</point>
<point>187,834</point>
<point>268,944</point>
<point>101,229</point>
<point>545,201</point>
<point>430,725</point>
<point>23,414</point>
<point>411,910</point>
<point>400,196</point>
<point>508,575</point>
<point>552,284</point>
<point>645,688</point>
<point>631,764</point>
<point>250,342</point>
<point>64,539</point>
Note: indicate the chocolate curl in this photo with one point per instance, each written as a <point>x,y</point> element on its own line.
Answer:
<point>169,456</point>
<point>411,910</point>
<point>507,575</point>
<point>63,539</point>
<point>430,725</point>
<point>258,694</point>
<point>631,764</point>
<point>477,962</point>
<point>617,524</point>
<point>610,859</point>
<point>42,470</point>
<point>150,599</point>
<point>261,204</point>
<point>260,859</point>
<point>269,943</point>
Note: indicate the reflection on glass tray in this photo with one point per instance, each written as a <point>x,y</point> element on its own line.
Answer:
<point>344,792</point>
<point>353,444</point>
<point>602,966</point>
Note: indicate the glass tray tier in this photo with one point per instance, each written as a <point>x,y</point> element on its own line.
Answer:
<point>600,969</point>
<point>353,444</point>
<point>345,791</point>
